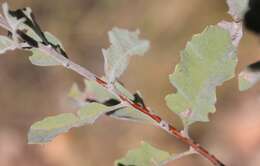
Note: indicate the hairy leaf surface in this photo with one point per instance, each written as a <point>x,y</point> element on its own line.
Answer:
<point>208,60</point>
<point>45,130</point>
<point>94,91</point>
<point>123,45</point>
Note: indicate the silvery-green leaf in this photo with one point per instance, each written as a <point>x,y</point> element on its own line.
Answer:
<point>123,45</point>
<point>235,31</point>
<point>45,130</point>
<point>52,39</point>
<point>237,8</point>
<point>40,58</point>
<point>6,44</point>
<point>97,91</point>
<point>145,155</point>
<point>208,60</point>
<point>132,115</point>
<point>123,90</point>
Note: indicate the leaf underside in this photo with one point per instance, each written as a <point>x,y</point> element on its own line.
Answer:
<point>45,130</point>
<point>208,60</point>
<point>145,155</point>
<point>123,45</point>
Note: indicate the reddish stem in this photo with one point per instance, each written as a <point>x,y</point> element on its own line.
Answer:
<point>168,128</point>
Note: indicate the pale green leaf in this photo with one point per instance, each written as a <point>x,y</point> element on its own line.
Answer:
<point>40,58</point>
<point>6,44</point>
<point>45,130</point>
<point>145,155</point>
<point>15,23</point>
<point>97,91</point>
<point>123,90</point>
<point>237,8</point>
<point>132,115</point>
<point>52,39</point>
<point>208,60</point>
<point>123,45</point>
<point>75,92</point>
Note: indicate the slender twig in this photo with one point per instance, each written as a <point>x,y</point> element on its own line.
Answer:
<point>67,63</point>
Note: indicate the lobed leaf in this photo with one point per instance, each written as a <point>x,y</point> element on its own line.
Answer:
<point>145,155</point>
<point>123,45</point>
<point>208,60</point>
<point>45,130</point>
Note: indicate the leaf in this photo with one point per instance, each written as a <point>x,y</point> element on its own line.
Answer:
<point>97,91</point>
<point>145,155</point>
<point>45,130</point>
<point>235,31</point>
<point>237,8</point>
<point>40,58</point>
<point>132,115</point>
<point>249,76</point>
<point>100,94</point>
<point>208,60</point>
<point>123,90</point>
<point>123,45</point>
<point>6,44</point>
<point>52,39</point>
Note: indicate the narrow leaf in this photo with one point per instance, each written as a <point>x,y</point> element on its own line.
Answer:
<point>45,130</point>
<point>97,92</point>
<point>123,45</point>
<point>123,90</point>
<point>40,58</point>
<point>94,91</point>
<point>208,60</point>
<point>145,155</point>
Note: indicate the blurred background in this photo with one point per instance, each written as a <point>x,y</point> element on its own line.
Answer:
<point>29,93</point>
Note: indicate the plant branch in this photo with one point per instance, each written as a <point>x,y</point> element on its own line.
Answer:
<point>123,99</point>
<point>67,63</point>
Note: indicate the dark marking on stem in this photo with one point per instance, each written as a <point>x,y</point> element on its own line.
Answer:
<point>32,23</point>
<point>139,100</point>
<point>28,39</point>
